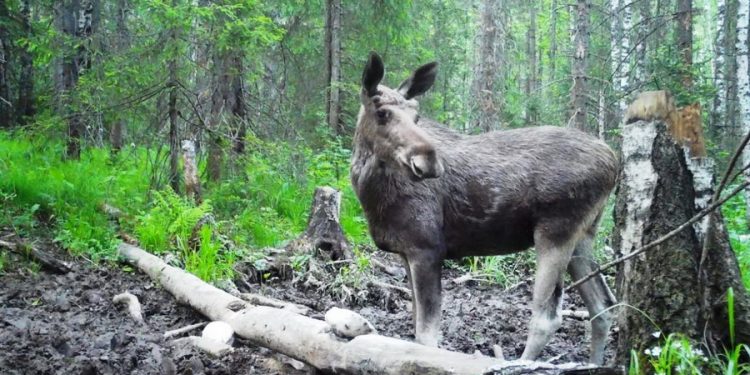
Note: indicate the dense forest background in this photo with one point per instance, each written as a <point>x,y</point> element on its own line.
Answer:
<point>97,99</point>
<point>269,93</point>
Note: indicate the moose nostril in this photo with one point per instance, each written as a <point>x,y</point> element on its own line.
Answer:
<point>417,171</point>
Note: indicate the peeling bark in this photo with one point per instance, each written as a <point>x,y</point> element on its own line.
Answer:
<point>661,187</point>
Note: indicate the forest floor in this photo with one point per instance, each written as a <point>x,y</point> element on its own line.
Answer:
<point>67,324</point>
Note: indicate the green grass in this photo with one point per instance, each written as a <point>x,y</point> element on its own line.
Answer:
<point>737,226</point>
<point>264,205</point>
<point>36,184</point>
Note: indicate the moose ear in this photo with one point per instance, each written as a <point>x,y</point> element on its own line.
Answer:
<point>420,81</point>
<point>373,74</point>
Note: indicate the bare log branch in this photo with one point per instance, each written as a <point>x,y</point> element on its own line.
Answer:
<point>185,329</point>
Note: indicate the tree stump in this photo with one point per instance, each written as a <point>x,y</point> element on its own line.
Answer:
<point>661,187</point>
<point>192,181</point>
<point>324,231</point>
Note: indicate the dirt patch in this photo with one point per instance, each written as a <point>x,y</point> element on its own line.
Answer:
<point>67,324</point>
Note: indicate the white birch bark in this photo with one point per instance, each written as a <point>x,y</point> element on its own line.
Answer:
<point>719,68</point>
<point>743,91</point>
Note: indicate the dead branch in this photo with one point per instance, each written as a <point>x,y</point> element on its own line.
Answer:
<point>134,306</point>
<point>397,288</point>
<point>661,239</point>
<point>46,260</point>
<point>185,329</point>
<point>259,300</point>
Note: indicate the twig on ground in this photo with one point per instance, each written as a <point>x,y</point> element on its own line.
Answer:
<point>259,300</point>
<point>383,285</point>
<point>661,239</point>
<point>179,331</point>
<point>497,351</point>
<point>134,307</point>
<point>580,315</point>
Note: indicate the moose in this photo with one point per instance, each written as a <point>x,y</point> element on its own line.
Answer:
<point>430,193</point>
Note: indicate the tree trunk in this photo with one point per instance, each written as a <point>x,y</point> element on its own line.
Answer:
<point>659,190</point>
<point>174,150</point>
<point>324,231</point>
<point>622,23</point>
<point>719,70</point>
<point>684,34</point>
<point>67,71</point>
<point>645,28</point>
<point>531,80</point>
<point>553,43</point>
<point>578,91</point>
<point>486,70</point>
<point>731,111</point>
<point>192,181</point>
<point>238,105</point>
<point>6,102</point>
<point>25,108</point>
<point>333,65</point>
<point>119,124</point>
<point>743,91</point>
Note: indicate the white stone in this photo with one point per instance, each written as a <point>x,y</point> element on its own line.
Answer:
<point>347,323</point>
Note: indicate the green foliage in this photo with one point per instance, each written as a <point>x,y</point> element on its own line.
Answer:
<point>207,262</point>
<point>41,187</point>
<point>734,212</point>
<point>679,355</point>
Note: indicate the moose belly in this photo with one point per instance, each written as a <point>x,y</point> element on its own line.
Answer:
<point>491,237</point>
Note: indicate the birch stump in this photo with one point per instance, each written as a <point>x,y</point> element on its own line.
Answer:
<point>662,187</point>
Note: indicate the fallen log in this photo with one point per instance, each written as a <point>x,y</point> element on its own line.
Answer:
<point>46,260</point>
<point>312,341</point>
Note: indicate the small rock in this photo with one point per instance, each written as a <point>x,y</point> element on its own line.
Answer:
<point>347,323</point>
<point>219,331</point>
<point>93,297</point>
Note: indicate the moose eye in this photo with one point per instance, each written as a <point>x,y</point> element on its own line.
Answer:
<point>382,116</point>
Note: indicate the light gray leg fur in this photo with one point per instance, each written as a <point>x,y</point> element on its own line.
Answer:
<point>546,305</point>
<point>596,295</point>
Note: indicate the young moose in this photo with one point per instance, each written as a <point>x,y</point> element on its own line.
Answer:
<point>430,193</point>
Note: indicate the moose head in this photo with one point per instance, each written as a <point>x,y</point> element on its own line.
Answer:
<point>388,119</point>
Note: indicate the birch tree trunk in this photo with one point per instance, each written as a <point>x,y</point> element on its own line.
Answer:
<point>743,92</point>
<point>669,287</point>
<point>684,34</point>
<point>6,103</point>
<point>579,92</point>
<point>719,70</point>
<point>621,27</point>
<point>485,71</point>
<point>333,65</point>
<point>25,107</point>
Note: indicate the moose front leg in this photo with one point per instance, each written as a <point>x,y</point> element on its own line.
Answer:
<point>425,273</point>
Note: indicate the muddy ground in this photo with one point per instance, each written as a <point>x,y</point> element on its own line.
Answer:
<point>67,324</point>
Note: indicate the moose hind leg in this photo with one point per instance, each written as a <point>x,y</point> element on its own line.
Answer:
<point>595,294</point>
<point>546,306</point>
